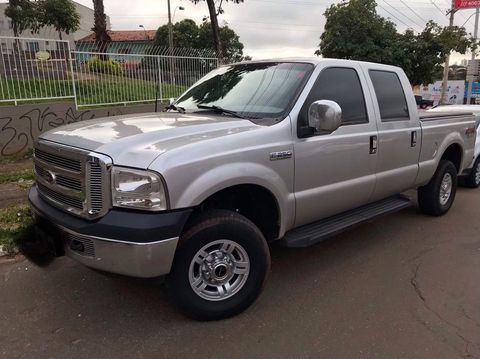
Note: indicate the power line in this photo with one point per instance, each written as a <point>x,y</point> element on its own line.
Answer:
<point>394,8</point>
<point>381,7</point>
<point>422,19</point>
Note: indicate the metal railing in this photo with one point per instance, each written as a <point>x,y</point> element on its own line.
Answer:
<point>34,69</point>
<point>42,69</point>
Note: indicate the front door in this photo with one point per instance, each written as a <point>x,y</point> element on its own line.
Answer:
<point>335,172</point>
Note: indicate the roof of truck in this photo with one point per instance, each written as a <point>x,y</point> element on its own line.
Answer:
<point>315,61</point>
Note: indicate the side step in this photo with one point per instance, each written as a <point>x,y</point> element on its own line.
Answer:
<point>315,232</point>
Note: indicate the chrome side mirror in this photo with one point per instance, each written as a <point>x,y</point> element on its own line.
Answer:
<point>324,116</point>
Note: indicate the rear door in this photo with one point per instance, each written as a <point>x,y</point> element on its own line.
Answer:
<point>399,132</point>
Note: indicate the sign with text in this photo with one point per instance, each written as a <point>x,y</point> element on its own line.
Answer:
<point>454,95</point>
<point>466,4</point>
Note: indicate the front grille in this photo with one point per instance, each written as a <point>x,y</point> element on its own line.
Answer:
<point>59,161</point>
<point>60,197</point>
<point>75,180</point>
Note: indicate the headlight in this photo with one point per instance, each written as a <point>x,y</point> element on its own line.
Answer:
<point>138,189</point>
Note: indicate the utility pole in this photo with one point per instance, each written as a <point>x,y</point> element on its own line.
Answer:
<point>471,77</point>
<point>170,44</point>
<point>447,60</point>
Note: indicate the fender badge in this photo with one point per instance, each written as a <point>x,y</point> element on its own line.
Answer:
<point>281,155</point>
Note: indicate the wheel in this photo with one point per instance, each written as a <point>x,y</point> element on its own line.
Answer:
<point>220,266</point>
<point>473,178</point>
<point>437,196</point>
<point>423,106</point>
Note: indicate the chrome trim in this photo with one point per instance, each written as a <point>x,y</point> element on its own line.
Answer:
<point>70,156</point>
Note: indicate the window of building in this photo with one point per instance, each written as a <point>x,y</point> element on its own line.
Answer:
<point>390,95</point>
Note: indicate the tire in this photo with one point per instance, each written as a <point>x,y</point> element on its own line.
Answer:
<point>472,180</point>
<point>432,198</point>
<point>229,248</point>
<point>423,106</point>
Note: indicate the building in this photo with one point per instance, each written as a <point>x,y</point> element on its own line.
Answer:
<point>123,42</point>
<point>86,24</point>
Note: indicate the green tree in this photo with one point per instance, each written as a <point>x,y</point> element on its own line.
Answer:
<point>355,31</point>
<point>187,34</point>
<point>23,14</point>
<point>60,14</point>
<point>214,12</point>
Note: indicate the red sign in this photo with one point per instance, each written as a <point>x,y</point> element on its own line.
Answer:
<point>466,4</point>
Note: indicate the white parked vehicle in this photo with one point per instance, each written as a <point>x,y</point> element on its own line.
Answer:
<point>471,175</point>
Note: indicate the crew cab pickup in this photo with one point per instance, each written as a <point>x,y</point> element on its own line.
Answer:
<point>294,150</point>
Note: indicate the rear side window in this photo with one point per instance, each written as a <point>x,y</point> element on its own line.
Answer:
<point>342,85</point>
<point>390,96</point>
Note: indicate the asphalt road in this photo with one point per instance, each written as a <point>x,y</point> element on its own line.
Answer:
<point>404,286</point>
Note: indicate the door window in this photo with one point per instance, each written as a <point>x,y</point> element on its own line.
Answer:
<point>342,85</point>
<point>390,96</point>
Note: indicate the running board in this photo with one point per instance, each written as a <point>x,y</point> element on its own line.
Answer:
<point>310,234</point>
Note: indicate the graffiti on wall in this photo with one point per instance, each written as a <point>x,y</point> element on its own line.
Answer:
<point>18,132</point>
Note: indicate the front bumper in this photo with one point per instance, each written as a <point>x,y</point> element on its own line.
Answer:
<point>136,244</point>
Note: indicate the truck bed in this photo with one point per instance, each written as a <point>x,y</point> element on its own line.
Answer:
<point>431,116</point>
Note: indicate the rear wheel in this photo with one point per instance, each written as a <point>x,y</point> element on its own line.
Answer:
<point>220,266</point>
<point>438,195</point>
<point>473,178</point>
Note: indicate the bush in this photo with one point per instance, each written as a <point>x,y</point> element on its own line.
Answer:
<point>110,67</point>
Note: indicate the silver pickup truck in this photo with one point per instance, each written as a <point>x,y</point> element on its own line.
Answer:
<point>293,150</point>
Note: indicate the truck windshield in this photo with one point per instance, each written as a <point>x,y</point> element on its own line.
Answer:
<point>256,91</point>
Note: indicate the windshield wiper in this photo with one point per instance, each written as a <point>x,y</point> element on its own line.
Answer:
<point>175,108</point>
<point>219,109</point>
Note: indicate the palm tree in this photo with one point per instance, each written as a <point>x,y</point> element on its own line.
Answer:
<point>100,26</point>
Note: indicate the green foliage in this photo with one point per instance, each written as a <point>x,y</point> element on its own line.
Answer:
<point>14,223</point>
<point>23,14</point>
<point>33,15</point>
<point>60,14</point>
<point>110,67</point>
<point>187,34</point>
<point>6,177</point>
<point>355,31</point>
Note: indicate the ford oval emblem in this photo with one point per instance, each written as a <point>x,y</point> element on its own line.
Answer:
<point>49,177</point>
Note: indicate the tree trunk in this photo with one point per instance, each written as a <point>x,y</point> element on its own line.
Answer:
<point>215,30</point>
<point>100,27</point>
<point>60,35</point>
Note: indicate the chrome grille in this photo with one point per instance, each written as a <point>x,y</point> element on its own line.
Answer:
<point>59,161</point>
<point>60,197</point>
<point>74,180</point>
<point>96,201</point>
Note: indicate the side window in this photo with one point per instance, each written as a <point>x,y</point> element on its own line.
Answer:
<point>390,96</point>
<point>342,85</point>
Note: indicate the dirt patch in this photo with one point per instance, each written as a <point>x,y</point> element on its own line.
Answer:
<point>16,166</point>
<point>14,193</point>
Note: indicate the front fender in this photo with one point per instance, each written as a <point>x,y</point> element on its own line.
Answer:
<point>239,173</point>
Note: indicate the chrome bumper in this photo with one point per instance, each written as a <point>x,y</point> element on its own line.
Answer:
<point>145,260</point>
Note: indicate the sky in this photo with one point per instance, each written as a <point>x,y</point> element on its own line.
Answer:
<point>273,28</point>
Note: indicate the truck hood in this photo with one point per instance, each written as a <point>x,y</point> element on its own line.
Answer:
<point>137,140</point>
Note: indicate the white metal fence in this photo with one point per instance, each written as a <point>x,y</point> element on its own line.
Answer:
<point>34,70</point>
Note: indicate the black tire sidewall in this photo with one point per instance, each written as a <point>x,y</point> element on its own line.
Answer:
<point>449,168</point>
<point>229,226</point>
<point>470,179</point>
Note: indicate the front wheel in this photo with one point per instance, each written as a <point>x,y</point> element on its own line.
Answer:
<point>438,195</point>
<point>220,266</point>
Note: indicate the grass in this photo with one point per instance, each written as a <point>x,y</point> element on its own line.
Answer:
<point>15,222</point>
<point>15,176</point>
<point>15,158</point>
<point>104,89</point>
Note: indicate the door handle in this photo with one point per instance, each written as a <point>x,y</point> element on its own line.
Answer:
<point>413,142</point>
<point>373,144</point>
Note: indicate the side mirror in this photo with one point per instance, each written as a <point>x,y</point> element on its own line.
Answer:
<point>324,116</point>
